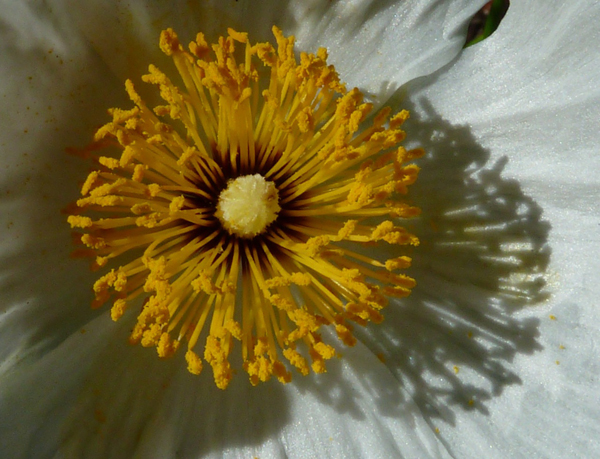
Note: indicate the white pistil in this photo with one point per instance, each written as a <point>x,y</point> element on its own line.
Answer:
<point>248,205</point>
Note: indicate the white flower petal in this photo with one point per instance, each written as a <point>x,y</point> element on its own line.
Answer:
<point>38,394</point>
<point>529,91</point>
<point>315,407</point>
<point>49,83</point>
<point>523,104</point>
<point>123,402</point>
<point>332,415</point>
<point>377,46</point>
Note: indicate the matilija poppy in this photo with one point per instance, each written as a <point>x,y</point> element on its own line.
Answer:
<point>493,352</point>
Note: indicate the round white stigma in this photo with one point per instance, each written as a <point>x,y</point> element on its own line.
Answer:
<point>248,205</point>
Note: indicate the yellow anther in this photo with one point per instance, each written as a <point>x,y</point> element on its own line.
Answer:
<point>281,373</point>
<point>126,157</point>
<point>242,37</point>
<point>122,116</point>
<point>266,53</point>
<point>166,347</point>
<point>90,182</point>
<point>111,163</point>
<point>176,204</point>
<point>234,328</point>
<point>306,120</point>
<point>169,43</point>
<point>348,104</point>
<point>345,335</point>
<point>399,119</point>
<point>324,350</point>
<point>319,353</point>
<point>361,194</point>
<point>204,283</point>
<point>200,47</point>
<point>77,221</point>
<point>186,156</point>
<point>93,242</point>
<point>281,303</point>
<point>138,172</point>
<point>194,362</point>
<point>118,309</point>
<point>216,356</point>
<point>149,221</point>
<point>295,278</point>
<point>101,261</point>
<point>398,292</point>
<point>315,244</point>
<point>297,360</point>
<point>382,117</point>
<point>397,263</point>
<point>154,189</point>
<point>306,323</point>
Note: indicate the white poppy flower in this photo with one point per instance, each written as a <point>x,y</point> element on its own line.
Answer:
<point>493,354</point>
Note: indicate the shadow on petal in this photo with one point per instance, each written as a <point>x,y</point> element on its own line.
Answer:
<point>43,300</point>
<point>337,389</point>
<point>96,396</point>
<point>135,405</point>
<point>481,263</point>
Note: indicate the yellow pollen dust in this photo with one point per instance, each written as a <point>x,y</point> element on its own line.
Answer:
<point>248,205</point>
<point>262,201</point>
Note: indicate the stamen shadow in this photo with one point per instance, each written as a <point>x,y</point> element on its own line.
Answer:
<point>483,261</point>
<point>480,265</point>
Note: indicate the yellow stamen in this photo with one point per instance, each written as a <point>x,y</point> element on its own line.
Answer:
<point>234,207</point>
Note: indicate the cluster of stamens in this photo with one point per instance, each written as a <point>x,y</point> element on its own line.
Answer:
<point>238,209</point>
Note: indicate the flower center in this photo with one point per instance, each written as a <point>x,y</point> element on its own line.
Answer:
<point>248,205</point>
<point>251,141</point>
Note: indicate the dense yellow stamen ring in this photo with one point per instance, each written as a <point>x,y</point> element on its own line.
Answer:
<point>229,203</point>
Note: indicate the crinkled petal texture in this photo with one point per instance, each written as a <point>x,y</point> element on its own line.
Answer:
<point>69,383</point>
<point>521,106</point>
